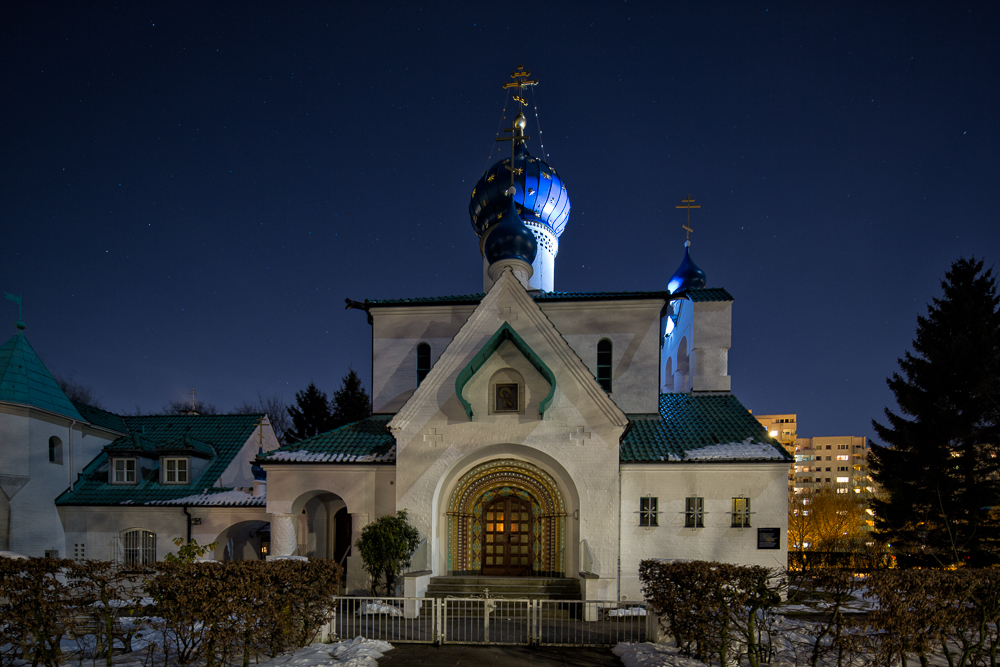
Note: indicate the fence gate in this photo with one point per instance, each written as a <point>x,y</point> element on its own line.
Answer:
<point>491,621</point>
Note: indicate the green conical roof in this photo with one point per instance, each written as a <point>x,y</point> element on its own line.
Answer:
<point>24,379</point>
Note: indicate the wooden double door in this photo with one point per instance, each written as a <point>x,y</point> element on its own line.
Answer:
<point>507,538</point>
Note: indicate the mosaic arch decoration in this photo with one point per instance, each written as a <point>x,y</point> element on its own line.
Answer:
<point>501,478</point>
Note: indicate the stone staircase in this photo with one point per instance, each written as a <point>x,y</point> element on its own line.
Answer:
<point>532,588</point>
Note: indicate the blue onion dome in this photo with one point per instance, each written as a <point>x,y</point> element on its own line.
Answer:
<point>509,237</point>
<point>541,195</point>
<point>258,473</point>
<point>687,275</point>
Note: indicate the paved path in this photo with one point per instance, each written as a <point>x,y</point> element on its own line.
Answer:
<point>458,655</point>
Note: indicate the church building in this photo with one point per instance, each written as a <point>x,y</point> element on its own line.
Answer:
<point>537,434</point>
<point>537,437</point>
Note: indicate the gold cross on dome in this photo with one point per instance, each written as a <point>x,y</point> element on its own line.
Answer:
<point>193,394</point>
<point>688,204</point>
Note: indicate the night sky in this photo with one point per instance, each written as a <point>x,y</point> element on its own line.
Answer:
<point>189,191</point>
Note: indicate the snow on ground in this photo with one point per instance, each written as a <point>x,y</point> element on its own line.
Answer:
<point>357,652</point>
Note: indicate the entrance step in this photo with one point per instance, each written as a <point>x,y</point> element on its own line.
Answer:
<point>532,588</point>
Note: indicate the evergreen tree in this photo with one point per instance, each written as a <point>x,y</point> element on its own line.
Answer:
<point>350,402</point>
<point>940,465</point>
<point>310,415</point>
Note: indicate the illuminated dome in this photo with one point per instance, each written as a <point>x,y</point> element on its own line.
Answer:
<point>509,238</point>
<point>687,275</point>
<point>541,196</point>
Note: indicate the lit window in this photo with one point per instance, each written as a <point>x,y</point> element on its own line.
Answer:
<point>423,361</point>
<point>843,480</point>
<point>843,457</point>
<point>741,512</point>
<point>123,471</point>
<point>55,450</point>
<point>841,490</point>
<point>175,471</point>
<point>648,516</point>
<point>138,547</point>
<point>604,363</point>
<point>694,512</point>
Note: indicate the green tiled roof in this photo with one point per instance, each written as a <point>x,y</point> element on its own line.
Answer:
<point>460,299</point>
<point>709,294</point>
<point>24,379</point>
<point>691,427</point>
<point>225,433</point>
<point>366,441</point>
<point>101,418</point>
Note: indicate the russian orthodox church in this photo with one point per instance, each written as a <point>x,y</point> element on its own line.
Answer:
<point>533,433</point>
<point>530,434</point>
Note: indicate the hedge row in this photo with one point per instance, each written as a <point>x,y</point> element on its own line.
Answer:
<point>720,613</point>
<point>715,610</point>
<point>222,613</point>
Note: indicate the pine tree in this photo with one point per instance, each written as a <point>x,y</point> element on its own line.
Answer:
<point>940,465</point>
<point>350,402</point>
<point>310,415</point>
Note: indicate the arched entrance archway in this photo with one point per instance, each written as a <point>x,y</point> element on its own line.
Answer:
<point>507,483</point>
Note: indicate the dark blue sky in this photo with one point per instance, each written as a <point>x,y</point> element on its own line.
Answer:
<point>190,190</point>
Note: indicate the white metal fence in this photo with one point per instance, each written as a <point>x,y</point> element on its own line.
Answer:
<point>492,621</point>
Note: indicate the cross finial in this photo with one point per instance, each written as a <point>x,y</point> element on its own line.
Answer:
<point>260,426</point>
<point>521,80</point>
<point>688,204</point>
<point>193,394</point>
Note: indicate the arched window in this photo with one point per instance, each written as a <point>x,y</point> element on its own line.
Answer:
<point>423,361</point>
<point>55,450</point>
<point>138,547</point>
<point>604,363</point>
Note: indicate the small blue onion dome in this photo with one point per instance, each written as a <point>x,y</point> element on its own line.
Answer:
<point>541,195</point>
<point>259,473</point>
<point>687,275</point>
<point>509,238</point>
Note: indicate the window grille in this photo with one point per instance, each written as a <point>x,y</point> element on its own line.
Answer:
<point>649,516</point>
<point>138,547</point>
<point>694,512</point>
<point>741,512</point>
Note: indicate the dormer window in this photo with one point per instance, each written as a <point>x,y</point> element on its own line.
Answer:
<point>175,471</point>
<point>123,471</point>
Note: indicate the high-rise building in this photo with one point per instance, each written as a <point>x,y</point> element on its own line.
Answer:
<point>837,464</point>
<point>783,429</point>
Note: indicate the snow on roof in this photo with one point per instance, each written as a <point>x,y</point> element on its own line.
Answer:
<point>304,456</point>
<point>230,498</point>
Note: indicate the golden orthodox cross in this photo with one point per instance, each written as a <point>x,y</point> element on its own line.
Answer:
<point>520,81</point>
<point>688,204</point>
<point>193,393</point>
<point>260,425</point>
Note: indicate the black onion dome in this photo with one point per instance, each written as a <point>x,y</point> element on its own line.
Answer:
<point>541,195</point>
<point>509,238</point>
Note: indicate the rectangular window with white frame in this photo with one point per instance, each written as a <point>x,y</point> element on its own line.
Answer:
<point>175,471</point>
<point>123,471</point>
<point>694,512</point>
<point>741,512</point>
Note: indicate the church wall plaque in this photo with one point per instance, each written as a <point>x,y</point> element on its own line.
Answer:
<point>768,538</point>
